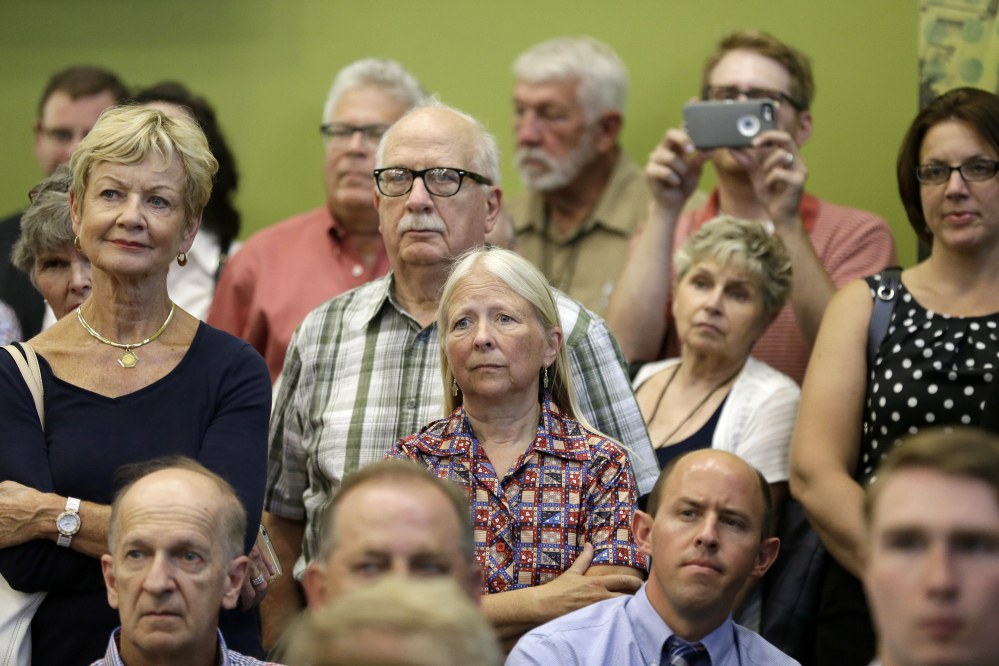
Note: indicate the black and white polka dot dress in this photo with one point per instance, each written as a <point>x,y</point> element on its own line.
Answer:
<point>932,370</point>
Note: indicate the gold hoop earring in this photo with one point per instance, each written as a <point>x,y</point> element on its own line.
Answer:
<point>182,259</point>
<point>76,244</point>
<point>454,389</point>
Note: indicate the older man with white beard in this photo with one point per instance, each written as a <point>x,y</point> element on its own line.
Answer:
<point>586,197</point>
<point>363,369</point>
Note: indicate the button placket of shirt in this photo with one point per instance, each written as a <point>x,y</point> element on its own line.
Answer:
<point>412,380</point>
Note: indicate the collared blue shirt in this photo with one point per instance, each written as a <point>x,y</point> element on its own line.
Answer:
<point>226,656</point>
<point>627,631</point>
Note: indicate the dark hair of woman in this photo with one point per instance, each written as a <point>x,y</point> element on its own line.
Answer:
<point>977,108</point>
<point>220,216</point>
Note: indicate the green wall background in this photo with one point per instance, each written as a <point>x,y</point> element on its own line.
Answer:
<point>266,65</point>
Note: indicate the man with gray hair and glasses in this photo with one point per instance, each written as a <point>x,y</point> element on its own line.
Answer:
<point>284,271</point>
<point>363,370</point>
<point>586,197</point>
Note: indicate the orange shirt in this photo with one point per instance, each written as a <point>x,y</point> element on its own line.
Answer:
<point>282,273</point>
<point>851,243</point>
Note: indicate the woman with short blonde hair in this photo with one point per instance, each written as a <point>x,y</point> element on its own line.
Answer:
<point>126,378</point>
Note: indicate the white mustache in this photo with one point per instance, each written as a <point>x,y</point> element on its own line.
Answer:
<point>420,222</point>
<point>537,155</point>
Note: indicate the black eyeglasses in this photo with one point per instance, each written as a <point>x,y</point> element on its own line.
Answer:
<point>342,133</point>
<point>974,171</point>
<point>439,181</point>
<point>732,93</point>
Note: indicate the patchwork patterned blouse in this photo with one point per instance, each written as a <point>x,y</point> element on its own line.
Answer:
<point>570,487</point>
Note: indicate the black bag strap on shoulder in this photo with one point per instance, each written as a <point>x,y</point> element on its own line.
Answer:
<point>884,305</point>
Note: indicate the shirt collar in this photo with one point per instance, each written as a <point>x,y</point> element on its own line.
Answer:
<point>651,631</point>
<point>557,435</point>
<point>382,296</point>
<point>603,214</point>
<point>808,209</point>
<point>113,657</point>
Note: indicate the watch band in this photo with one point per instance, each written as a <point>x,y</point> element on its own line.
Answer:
<point>72,506</point>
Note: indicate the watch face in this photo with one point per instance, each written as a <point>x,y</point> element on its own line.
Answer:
<point>68,523</point>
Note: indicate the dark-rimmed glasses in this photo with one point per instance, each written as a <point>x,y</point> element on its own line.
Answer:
<point>342,133</point>
<point>974,171</point>
<point>439,181</point>
<point>732,93</point>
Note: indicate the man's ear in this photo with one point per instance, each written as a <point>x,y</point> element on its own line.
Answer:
<point>494,203</point>
<point>608,128</point>
<point>314,584</point>
<point>107,568</point>
<point>804,130</point>
<point>765,557</point>
<point>641,529</point>
<point>234,581</point>
<point>37,129</point>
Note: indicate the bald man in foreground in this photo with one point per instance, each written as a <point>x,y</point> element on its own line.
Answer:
<point>176,542</point>
<point>708,532</point>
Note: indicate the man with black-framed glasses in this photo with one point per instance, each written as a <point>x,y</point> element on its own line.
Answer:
<point>282,272</point>
<point>829,245</point>
<point>363,369</point>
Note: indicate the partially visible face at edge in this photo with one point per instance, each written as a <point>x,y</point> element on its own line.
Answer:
<point>63,124</point>
<point>932,569</point>
<point>63,278</point>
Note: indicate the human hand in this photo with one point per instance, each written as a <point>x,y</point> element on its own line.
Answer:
<point>259,570</point>
<point>19,508</point>
<point>573,590</point>
<point>778,175</point>
<point>674,169</point>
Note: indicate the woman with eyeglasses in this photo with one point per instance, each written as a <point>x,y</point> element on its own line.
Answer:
<point>932,369</point>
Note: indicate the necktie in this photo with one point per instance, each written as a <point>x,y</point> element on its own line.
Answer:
<point>679,653</point>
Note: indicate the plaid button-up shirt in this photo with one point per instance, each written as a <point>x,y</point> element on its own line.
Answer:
<point>570,487</point>
<point>226,657</point>
<point>362,374</point>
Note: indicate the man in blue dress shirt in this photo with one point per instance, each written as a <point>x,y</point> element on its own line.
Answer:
<point>708,532</point>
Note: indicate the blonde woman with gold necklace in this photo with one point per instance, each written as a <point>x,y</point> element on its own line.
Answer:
<point>128,377</point>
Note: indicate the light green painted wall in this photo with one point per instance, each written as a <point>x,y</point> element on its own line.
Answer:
<point>266,65</point>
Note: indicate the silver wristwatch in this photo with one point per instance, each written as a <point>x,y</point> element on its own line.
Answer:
<point>68,522</point>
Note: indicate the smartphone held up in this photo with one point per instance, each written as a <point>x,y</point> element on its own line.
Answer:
<point>728,124</point>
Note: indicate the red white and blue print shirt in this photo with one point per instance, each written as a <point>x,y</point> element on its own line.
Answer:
<point>570,487</point>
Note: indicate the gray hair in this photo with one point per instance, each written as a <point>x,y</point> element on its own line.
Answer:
<point>524,279</point>
<point>425,617</point>
<point>47,225</point>
<point>486,160</point>
<point>382,72</point>
<point>603,78</point>
<point>746,245</point>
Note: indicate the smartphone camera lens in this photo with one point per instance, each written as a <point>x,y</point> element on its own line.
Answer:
<point>748,125</point>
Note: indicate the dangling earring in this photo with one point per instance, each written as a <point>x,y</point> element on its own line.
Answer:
<point>454,390</point>
<point>546,377</point>
<point>76,244</point>
<point>182,259</point>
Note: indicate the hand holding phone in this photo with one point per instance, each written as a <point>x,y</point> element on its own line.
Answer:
<point>728,124</point>
<point>674,169</point>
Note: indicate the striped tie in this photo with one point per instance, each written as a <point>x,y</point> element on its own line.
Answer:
<point>679,653</point>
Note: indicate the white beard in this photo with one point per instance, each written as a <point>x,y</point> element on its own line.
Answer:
<point>560,172</point>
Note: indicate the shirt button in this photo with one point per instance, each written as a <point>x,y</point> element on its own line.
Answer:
<point>412,404</point>
<point>357,270</point>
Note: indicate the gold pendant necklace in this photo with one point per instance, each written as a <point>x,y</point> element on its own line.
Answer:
<point>128,358</point>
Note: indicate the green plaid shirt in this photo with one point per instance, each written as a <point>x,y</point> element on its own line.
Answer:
<point>361,374</point>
